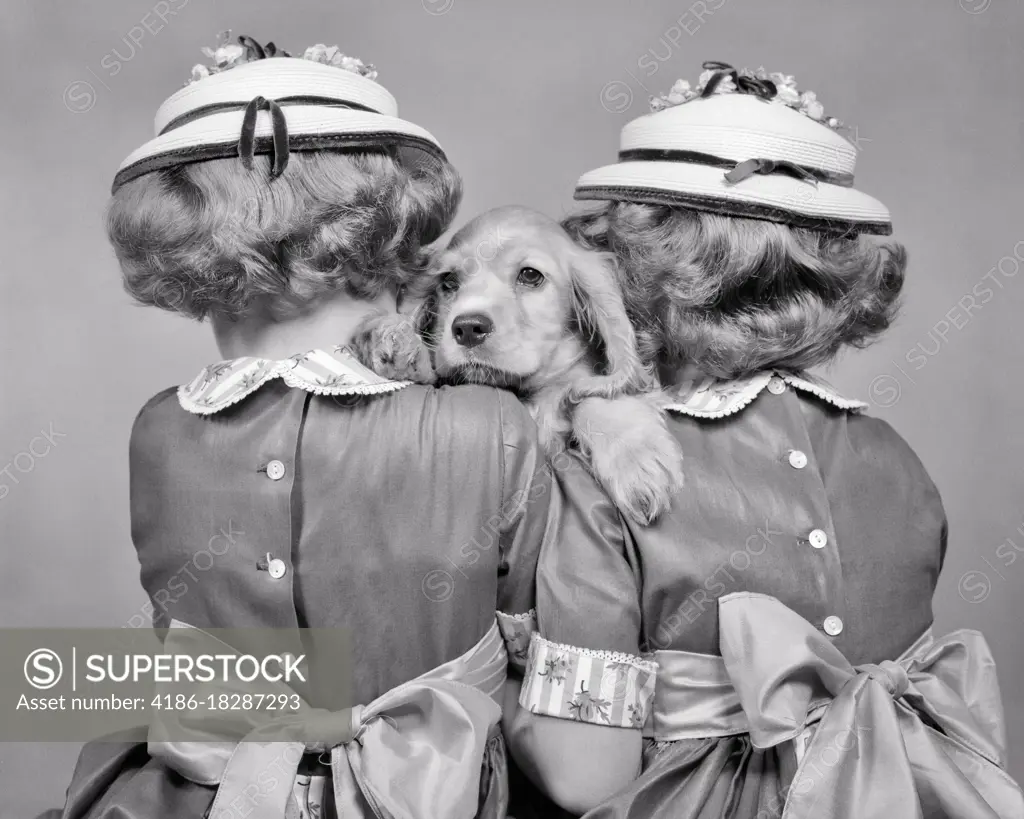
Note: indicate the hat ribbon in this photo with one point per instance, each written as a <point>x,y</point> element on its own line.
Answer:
<point>295,99</point>
<point>744,170</point>
<point>247,139</point>
<point>738,171</point>
<point>745,84</point>
<point>255,51</point>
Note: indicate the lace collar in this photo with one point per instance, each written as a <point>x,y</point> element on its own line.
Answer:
<point>706,397</point>
<point>335,372</point>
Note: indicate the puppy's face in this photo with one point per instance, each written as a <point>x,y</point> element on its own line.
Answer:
<point>505,303</point>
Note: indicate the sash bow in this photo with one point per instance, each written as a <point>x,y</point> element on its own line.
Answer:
<point>890,675</point>
<point>413,753</point>
<point>921,736</point>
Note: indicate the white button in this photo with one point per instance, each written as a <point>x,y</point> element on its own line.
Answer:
<point>276,568</point>
<point>818,539</point>
<point>776,386</point>
<point>275,470</point>
<point>797,459</point>
<point>833,626</point>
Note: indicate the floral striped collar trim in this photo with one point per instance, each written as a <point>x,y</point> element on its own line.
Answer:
<point>706,397</point>
<point>337,372</point>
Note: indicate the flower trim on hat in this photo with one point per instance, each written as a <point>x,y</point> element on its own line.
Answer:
<point>722,78</point>
<point>228,55</point>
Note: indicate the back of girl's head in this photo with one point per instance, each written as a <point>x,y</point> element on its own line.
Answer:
<point>734,295</point>
<point>210,238</point>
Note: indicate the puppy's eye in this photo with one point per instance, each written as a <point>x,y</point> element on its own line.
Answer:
<point>530,276</point>
<point>449,282</point>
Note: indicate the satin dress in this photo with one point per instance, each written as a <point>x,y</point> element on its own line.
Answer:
<point>778,620</point>
<point>331,498</point>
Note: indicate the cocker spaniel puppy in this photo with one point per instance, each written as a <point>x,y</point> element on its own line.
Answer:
<point>514,303</point>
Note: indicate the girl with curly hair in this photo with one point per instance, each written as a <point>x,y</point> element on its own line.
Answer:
<point>786,597</point>
<point>386,531</point>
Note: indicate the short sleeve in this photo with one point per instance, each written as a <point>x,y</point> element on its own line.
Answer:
<point>918,496</point>
<point>927,505</point>
<point>584,661</point>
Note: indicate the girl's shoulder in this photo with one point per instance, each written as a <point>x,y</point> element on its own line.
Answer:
<point>878,444</point>
<point>475,412</point>
<point>473,418</point>
<point>704,405</point>
<point>155,410</point>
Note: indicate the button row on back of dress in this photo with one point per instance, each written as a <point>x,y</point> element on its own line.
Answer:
<point>818,538</point>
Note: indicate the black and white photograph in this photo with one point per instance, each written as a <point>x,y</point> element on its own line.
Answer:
<point>462,409</point>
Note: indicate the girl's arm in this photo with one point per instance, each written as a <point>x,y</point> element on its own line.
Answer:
<point>578,692</point>
<point>577,764</point>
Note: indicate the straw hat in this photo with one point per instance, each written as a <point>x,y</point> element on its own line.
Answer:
<point>742,144</point>
<point>258,100</point>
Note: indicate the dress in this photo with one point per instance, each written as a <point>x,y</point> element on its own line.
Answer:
<point>312,494</point>
<point>786,601</point>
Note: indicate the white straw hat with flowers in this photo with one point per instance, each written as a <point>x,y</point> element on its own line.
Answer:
<point>260,100</point>
<point>742,143</point>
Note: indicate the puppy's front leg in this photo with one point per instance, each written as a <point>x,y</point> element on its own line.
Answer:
<point>390,346</point>
<point>552,426</point>
<point>633,454</point>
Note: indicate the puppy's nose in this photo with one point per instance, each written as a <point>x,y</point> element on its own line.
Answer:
<point>471,329</point>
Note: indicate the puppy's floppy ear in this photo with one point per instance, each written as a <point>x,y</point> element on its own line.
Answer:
<point>600,313</point>
<point>426,316</point>
<point>419,299</point>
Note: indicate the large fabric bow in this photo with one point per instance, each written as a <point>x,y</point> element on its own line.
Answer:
<point>921,737</point>
<point>413,753</point>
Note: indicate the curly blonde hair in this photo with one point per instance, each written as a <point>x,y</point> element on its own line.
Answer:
<point>210,238</point>
<point>735,295</point>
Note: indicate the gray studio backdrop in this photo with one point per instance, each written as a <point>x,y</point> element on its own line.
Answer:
<point>524,96</point>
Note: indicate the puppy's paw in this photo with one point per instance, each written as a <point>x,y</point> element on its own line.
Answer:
<point>640,476</point>
<point>390,346</point>
<point>632,454</point>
